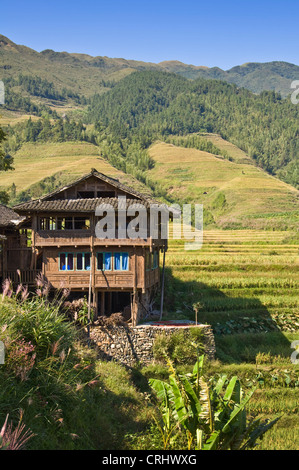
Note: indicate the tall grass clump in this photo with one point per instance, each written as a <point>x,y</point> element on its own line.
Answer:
<point>38,379</point>
<point>68,399</point>
<point>35,319</point>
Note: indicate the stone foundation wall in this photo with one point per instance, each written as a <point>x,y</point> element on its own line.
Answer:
<point>129,345</point>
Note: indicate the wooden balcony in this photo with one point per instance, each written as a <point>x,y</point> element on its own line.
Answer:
<point>62,238</point>
<point>102,280</point>
<point>46,238</point>
<point>26,277</point>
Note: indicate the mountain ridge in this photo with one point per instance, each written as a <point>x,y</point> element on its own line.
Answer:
<point>255,76</point>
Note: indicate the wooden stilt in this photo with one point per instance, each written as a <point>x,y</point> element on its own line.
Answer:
<point>102,303</point>
<point>110,303</point>
<point>162,287</point>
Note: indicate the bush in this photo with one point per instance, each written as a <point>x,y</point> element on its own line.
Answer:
<point>36,321</point>
<point>181,346</point>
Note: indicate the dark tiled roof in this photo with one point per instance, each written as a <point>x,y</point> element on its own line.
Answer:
<point>8,217</point>
<point>47,203</point>
<point>107,179</point>
<point>79,205</point>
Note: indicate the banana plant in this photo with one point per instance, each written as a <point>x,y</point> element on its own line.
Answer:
<point>212,415</point>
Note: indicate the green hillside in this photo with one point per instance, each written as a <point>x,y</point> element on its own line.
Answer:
<point>234,194</point>
<point>155,104</point>
<point>86,75</point>
<point>119,114</point>
<point>256,77</point>
<point>41,168</point>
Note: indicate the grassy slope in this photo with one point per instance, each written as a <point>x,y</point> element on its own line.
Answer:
<point>34,162</point>
<point>253,198</point>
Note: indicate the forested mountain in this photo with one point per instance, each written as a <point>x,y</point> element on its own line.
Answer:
<point>86,75</point>
<point>124,106</point>
<point>256,77</point>
<point>152,104</point>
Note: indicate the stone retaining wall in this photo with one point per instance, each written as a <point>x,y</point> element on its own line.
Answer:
<point>129,345</point>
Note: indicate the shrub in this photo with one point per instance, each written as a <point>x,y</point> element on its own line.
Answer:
<point>37,321</point>
<point>77,310</point>
<point>181,346</point>
<point>19,358</point>
<point>212,415</point>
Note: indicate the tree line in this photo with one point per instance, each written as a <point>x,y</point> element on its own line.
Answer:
<point>40,87</point>
<point>151,103</point>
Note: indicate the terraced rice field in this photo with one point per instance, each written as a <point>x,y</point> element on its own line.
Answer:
<point>247,284</point>
<point>238,270</point>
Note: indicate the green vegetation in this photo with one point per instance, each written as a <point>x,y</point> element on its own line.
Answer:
<point>87,75</point>
<point>200,141</point>
<point>154,104</point>
<point>57,382</point>
<point>36,86</point>
<point>179,347</point>
<point>59,163</point>
<point>5,164</point>
<point>250,297</point>
<point>127,112</point>
<point>43,130</point>
<point>235,194</point>
<point>212,415</point>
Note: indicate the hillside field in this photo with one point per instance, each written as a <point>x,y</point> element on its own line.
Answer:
<point>237,193</point>
<point>247,283</point>
<point>64,162</point>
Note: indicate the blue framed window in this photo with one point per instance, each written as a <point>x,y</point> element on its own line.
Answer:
<point>155,259</point>
<point>83,261</point>
<point>66,262</point>
<point>104,261</point>
<point>121,261</point>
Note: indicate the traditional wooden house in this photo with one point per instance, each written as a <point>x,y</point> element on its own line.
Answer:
<point>119,271</point>
<point>15,252</point>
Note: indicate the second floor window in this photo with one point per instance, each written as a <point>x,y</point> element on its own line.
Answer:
<point>66,262</point>
<point>83,261</point>
<point>155,259</point>
<point>64,223</point>
<point>48,223</point>
<point>104,261</point>
<point>121,261</point>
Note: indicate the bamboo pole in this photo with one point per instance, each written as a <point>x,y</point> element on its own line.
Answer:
<point>89,306</point>
<point>162,287</point>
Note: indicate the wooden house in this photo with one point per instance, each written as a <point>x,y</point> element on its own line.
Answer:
<point>15,252</point>
<point>120,272</point>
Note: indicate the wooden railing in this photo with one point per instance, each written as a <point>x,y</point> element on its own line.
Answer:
<point>83,238</point>
<point>25,277</point>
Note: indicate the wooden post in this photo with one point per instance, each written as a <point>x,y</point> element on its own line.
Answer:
<point>134,305</point>
<point>110,303</point>
<point>102,303</point>
<point>95,303</point>
<point>162,287</point>
<point>89,306</point>
<point>34,230</point>
<point>4,256</point>
<point>134,308</point>
<point>91,287</point>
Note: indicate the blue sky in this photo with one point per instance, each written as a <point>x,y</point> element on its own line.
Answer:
<point>211,33</point>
